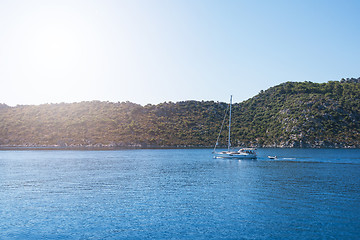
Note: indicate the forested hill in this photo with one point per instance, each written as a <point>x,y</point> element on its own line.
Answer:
<point>292,114</point>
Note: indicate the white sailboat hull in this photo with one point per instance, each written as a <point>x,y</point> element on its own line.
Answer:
<point>235,155</point>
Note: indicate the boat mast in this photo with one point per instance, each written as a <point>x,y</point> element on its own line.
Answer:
<point>229,143</point>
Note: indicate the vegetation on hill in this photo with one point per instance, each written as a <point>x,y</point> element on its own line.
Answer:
<point>292,114</point>
<point>302,114</point>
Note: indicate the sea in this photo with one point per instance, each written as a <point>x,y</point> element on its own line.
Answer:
<point>179,194</point>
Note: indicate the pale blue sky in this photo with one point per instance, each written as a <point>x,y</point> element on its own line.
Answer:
<point>153,51</point>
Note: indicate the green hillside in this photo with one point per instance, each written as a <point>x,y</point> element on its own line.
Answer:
<point>302,115</point>
<point>292,114</point>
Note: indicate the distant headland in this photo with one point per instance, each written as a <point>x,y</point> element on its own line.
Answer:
<point>292,114</point>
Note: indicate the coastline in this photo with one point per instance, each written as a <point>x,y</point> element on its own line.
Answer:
<point>97,148</point>
<point>100,147</point>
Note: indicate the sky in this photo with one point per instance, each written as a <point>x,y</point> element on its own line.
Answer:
<point>152,51</point>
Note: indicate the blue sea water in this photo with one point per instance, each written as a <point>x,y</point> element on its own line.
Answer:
<point>179,194</point>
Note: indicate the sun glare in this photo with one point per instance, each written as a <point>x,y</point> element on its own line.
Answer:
<point>53,48</point>
<point>54,58</point>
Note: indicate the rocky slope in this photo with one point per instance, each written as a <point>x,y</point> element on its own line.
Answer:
<point>292,114</point>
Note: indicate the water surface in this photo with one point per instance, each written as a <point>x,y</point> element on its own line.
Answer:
<point>179,194</point>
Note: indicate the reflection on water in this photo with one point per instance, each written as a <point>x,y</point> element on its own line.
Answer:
<point>180,194</point>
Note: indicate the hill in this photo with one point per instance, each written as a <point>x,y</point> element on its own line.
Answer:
<point>302,114</point>
<point>292,114</point>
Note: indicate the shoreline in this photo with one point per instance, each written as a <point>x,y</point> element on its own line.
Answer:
<point>113,148</point>
<point>97,148</point>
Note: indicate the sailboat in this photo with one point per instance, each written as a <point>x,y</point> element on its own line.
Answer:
<point>242,153</point>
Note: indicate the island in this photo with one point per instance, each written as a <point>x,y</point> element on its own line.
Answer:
<point>292,114</point>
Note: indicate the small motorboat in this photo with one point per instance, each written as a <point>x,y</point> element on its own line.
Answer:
<point>272,157</point>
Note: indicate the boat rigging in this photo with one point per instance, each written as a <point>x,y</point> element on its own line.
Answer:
<point>242,153</point>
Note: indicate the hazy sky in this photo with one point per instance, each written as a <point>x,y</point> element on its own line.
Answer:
<point>153,51</point>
